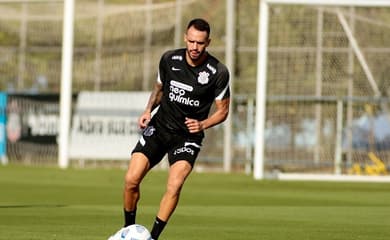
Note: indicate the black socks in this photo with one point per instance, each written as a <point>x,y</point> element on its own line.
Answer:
<point>129,217</point>
<point>158,227</point>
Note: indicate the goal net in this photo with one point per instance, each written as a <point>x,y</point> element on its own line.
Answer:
<point>323,88</point>
<point>117,47</point>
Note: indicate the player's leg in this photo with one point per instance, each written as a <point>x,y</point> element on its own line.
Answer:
<point>138,167</point>
<point>178,173</point>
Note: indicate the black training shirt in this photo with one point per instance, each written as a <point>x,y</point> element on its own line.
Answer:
<point>189,91</point>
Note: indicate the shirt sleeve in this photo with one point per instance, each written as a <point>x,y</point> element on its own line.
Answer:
<point>161,75</point>
<point>222,90</point>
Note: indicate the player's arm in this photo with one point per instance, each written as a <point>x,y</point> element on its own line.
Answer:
<point>219,115</point>
<point>154,101</point>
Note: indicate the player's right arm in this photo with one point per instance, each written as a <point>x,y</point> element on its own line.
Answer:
<point>154,101</point>
<point>157,93</point>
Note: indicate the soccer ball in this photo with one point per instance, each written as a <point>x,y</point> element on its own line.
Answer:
<point>132,232</point>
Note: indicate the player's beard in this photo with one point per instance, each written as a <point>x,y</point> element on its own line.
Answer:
<point>195,55</point>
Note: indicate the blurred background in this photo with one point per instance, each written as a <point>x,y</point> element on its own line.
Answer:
<point>327,90</point>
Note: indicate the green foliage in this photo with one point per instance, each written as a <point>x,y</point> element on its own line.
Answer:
<point>125,52</point>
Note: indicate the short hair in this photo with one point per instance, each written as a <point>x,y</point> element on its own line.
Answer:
<point>200,25</point>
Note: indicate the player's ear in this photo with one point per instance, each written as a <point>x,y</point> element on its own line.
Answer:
<point>208,42</point>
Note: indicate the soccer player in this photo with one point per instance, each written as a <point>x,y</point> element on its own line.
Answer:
<point>189,81</point>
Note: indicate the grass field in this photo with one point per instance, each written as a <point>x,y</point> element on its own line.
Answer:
<point>86,204</point>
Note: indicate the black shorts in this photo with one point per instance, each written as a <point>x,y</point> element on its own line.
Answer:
<point>155,142</point>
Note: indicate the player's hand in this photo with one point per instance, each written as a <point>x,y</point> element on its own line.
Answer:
<point>193,125</point>
<point>144,120</point>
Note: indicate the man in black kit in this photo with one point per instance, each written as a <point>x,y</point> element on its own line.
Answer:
<point>189,81</point>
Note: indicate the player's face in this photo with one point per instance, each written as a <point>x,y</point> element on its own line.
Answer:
<point>197,42</point>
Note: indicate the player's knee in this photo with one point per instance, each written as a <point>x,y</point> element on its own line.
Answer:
<point>174,187</point>
<point>131,183</point>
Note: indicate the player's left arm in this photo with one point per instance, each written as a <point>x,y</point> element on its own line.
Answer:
<point>222,101</point>
<point>219,115</point>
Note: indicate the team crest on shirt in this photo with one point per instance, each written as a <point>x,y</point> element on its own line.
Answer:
<point>203,77</point>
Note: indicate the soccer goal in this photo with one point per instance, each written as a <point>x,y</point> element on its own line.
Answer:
<point>323,90</point>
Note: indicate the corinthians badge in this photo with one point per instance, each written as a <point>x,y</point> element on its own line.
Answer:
<point>203,77</point>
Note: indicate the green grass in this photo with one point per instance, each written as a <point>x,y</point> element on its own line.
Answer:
<point>49,204</point>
